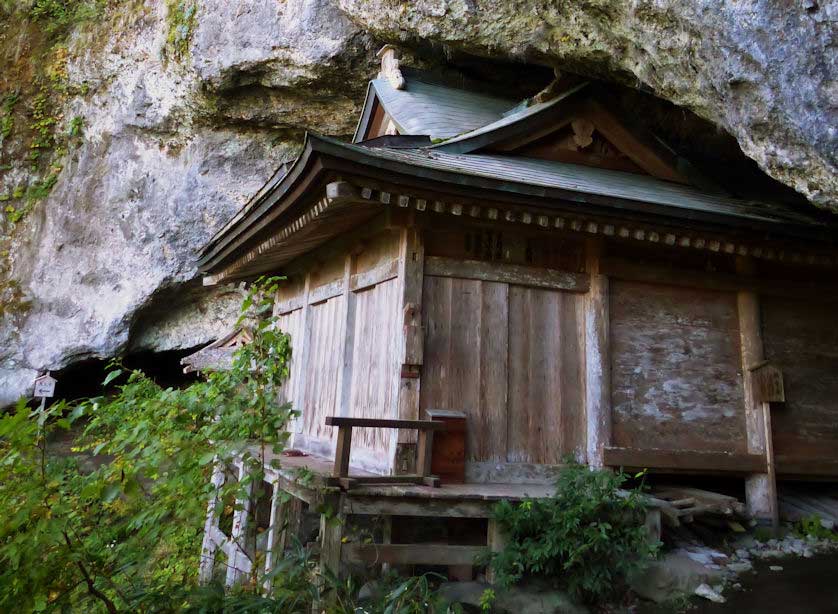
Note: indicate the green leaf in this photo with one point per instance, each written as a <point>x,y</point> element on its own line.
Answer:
<point>112,376</point>
<point>206,458</point>
<point>111,492</point>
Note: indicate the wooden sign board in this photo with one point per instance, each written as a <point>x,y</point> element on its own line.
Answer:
<point>45,386</point>
<point>768,384</point>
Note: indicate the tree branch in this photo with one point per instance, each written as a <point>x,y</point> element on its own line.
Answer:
<point>91,587</point>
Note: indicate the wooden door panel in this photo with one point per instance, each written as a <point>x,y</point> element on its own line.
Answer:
<point>546,391</point>
<point>465,359</point>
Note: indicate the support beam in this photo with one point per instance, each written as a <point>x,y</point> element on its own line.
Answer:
<point>238,563</point>
<point>411,554</point>
<point>209,545</point>
<point>760,488</point>
<point>286,515</point>
<point>300,359</point>
<point>683,460</point>
<point>597,357</point>
<point>331,542</point>
<point>496,541</point>
<point>411,265</point>
<point>344,387</point>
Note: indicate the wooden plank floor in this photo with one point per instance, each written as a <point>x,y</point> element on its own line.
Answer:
<point>316,469</point>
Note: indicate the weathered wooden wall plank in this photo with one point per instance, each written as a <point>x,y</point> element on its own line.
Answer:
<point>801,338</point>
<point>510,357</point>
<point>546,390</point>
<point>676,368</point>
<point>374,364</point>
<point>466,358</point>
<point>507,273</point>
<point>324,367</point>
<point>597,357</point>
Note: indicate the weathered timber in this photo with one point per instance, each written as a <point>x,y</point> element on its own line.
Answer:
<point>302,347</point>
<point>761,490</point>
<point>411,554</point>
<point>628,270</point>
<point>521,275</point>
<point>347,352</point>
<point>411,264</point>
<point>800,338</point>
<point>684,460</point>
<point>425,425</point>
<point>597,358</point>
<point>676,368</point>
<point>381,273</point>
<point>512,473</point>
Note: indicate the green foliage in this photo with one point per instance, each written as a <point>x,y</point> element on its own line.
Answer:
<point>487,600</point>
<point>43,124</point>
<point>57,17</point>
<point>89,536</point>
<point>76,126</point>
<point>811,525</point>
<point>7,121</point>
<point>182,17</point>
<point>586,539</point>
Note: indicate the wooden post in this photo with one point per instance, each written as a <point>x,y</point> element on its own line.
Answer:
<point>348,343</point>
<point>424,451</point>
<point>597,358</point>
<point>209,545</point>
<point>496,542</point>
<point>386,537</point>
<point>342,452</point>
<point>286,514</point>
<point>760,489</point>
<point>331,540</point>
<point>237,561</point>
<point>411,276</point>
<point>300,360</point>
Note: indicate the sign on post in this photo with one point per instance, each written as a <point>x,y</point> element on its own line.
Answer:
<point>45,386</point>
<point>768,383</point>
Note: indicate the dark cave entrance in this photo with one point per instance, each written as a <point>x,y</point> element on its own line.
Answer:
<point>84,379</point>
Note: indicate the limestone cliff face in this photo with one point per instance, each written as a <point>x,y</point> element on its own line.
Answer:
<point>188,107</point>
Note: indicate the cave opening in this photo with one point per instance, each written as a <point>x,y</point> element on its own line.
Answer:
<point>83,379</point>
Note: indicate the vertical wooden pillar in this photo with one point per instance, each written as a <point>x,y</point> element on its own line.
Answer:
<point>597,357</point>
<point>496,542</point>
<point>301,351</point>
<point>348,344</point>
<point>760,489</point>
<point>331,536</point>
<point>212,533</point>
<point>411,276</point>
<point>238,563</point>
<point>286,515</point>
<point>386,537</point>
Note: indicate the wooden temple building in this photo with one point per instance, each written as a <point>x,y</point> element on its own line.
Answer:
<point>533,282</point>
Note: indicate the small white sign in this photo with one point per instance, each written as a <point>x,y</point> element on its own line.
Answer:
<point>45,386</point>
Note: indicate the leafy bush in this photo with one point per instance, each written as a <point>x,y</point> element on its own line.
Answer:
<point>87,532</point>
<point>811,525</point>
<point>586,539</point>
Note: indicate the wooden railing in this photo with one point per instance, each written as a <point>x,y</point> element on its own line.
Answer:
<point>424,450</point>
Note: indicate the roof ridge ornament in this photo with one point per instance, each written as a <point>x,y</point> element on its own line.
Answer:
<point>552,90</point>
<point>390,69</point>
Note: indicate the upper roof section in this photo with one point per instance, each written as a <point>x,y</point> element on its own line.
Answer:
<point>424,106</point>
<point>563,152</point>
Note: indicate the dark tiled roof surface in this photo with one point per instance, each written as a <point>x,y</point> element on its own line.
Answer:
<point>436,110</point>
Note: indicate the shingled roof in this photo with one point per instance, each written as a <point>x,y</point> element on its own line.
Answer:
<point>427,107</point>
<point>467,165</point>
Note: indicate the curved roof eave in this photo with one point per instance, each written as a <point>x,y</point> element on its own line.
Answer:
<point>273,190</point>
<point>334,154</point>
<point>508,126</point>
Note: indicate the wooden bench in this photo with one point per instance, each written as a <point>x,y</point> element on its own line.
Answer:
<point>424,448</point>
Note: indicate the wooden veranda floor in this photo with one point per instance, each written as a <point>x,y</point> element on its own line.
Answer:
<point>307,478</point>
